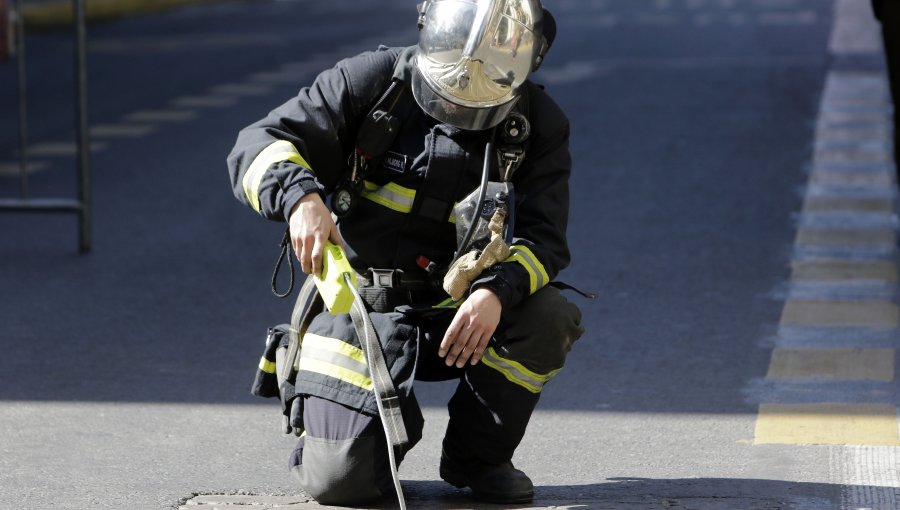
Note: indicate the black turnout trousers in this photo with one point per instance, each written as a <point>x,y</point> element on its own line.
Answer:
<point>343,458</point>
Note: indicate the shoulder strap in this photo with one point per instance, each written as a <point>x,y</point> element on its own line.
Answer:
<point>514,135</point>
<point>380,126</point>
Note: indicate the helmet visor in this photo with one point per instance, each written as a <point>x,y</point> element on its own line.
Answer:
<point>476,53</point>
<point>455,114</point>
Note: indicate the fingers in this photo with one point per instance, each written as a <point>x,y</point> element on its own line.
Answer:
<point>480,348</point>
<point>316,256</point>
<point>457,354</point>
<point>450,336</point>
<point>476,344</point>
<point>464,342</point>
<point>311,226</point>
<point>335,237</point>
<point>310,252</point>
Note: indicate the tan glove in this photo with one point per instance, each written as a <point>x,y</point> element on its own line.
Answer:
<point>469,266</point>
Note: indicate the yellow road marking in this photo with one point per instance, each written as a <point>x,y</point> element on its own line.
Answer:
<point>840,313</point>
<point>204,102</point>
<point>837,364</point>
<point>884,270</point>
<point>882,180</point>
<point>161,116</point>
<point>846,237</point>
<point>13,169</point>
<point>121,130</point>
<point>837,203</point>
<point>844,424</point>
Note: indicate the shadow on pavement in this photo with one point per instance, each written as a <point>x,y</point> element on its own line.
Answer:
<point>650,494</point>
<point>635,493</point>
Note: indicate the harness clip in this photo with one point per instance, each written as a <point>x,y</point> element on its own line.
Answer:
<point>386,278</point>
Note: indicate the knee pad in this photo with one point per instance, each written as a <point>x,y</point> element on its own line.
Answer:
<point>539,333</point>
<point>343,471</point>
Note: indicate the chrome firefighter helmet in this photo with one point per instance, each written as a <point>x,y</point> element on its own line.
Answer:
<point>473,56</point>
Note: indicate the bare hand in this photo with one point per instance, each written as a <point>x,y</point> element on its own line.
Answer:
<point>471,329</point>
<point>311,225</point>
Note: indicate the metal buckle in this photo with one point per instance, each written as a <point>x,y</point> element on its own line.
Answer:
<point>386,278</point>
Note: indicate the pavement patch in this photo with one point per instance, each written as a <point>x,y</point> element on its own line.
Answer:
<point>820,424</point>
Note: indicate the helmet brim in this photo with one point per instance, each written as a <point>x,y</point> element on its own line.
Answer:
<point>449,112</point>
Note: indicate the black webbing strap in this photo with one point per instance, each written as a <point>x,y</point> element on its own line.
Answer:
<point>385,394</point>
<point>306,306</point>
<point>285,254</point>
<point>429,219</point>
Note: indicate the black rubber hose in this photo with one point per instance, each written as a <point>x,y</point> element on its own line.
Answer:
<point>476,215</point>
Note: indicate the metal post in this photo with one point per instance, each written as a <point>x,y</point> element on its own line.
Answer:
<point>81,205</point>
<point>82,129</point>
<point>23,98</point>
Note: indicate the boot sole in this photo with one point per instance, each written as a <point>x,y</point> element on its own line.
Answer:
<point>459,481</point>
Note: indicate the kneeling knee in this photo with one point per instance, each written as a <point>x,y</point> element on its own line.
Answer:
<point>342,471</point>
<point>543,328</point>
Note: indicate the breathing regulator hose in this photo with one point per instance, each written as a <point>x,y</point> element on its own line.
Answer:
<point>482,192</point>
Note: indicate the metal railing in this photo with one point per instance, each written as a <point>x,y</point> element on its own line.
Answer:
<point>81,205</point>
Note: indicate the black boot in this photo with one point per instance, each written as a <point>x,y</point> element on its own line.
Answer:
<point>492,483</point>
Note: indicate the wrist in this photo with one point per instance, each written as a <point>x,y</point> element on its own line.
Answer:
<point>487,295</point>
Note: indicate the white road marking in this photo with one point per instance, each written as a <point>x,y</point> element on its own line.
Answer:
<point>161,116</point>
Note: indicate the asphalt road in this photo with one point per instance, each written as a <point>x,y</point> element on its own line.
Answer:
<point>124,373</point>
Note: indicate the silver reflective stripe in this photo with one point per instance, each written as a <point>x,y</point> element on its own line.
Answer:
<point>334,358</point>
<point>537,274</point>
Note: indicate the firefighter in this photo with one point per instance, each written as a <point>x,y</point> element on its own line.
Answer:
<point>464,105</point>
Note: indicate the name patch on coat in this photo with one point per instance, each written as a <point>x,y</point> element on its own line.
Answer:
<point>395,162</point>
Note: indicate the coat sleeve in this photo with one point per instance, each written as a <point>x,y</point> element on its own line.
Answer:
<point>301,147</point>
<point>539,250</point>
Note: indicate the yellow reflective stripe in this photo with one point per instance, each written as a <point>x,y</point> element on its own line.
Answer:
<point>266,365</point>
<point>279,151</point>
<point>336,353</point>
<point>334,345</point>
<point>452,218</point>
<point>392,196</point>
<point>537,274</point>
<point>449,303</point>
<point>515,372</point>
<point>340,373</point>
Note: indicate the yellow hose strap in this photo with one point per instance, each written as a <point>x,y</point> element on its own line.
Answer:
<point>537,274</point>
<point>277,152</point>
<point>515,372</point>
